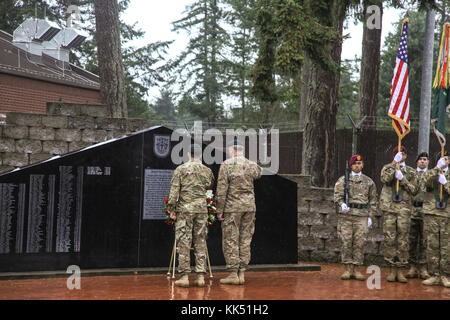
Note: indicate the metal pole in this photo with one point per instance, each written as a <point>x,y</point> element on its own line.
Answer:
<point>425,94</point>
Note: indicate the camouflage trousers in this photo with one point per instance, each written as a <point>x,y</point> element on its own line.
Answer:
<point>191,229</point>
<point>237,233</point>
<point>352,231</point>
<point>417,243</point>
<point>437,231</point>
<point>396,237</point>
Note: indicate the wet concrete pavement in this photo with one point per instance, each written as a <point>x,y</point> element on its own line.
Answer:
<point>271,285</point>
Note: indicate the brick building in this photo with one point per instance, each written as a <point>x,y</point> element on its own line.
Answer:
<point>28,81</point>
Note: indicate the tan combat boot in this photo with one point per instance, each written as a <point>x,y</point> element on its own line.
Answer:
<point>432,281</point>
<point>357,274</point>
<point>412,273</point>
<point>231,279</point>
<point>347,274</point>
<point>183,281</point>
<point>423,273</point>
<point>392,274</point>
<point>200,281</point>
<point>241,276</point>
<point>445,282</point>
<point>400,277</point>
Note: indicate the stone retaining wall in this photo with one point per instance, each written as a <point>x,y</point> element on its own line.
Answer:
<point>27,138</point>
<point>317,226</point>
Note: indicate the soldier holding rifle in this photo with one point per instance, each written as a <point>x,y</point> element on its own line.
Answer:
<point>355,194</point>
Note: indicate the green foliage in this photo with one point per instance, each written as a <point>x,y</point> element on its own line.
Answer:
<point>348,93</point>
<point>164,108</point>
<point>200,70</point>
<point>241,14</point>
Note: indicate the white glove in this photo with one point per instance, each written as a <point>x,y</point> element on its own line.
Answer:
<point>398,175</point>
<point>344,208</point>
<point>442,179</point>
<point>398,157</point>
<point>441,163</point>
<point>369,222</point>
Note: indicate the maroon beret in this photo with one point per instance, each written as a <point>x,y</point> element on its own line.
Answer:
<point>354,158</point>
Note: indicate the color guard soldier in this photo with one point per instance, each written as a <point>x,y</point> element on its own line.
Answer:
<point>396,207</point>
<point>437,222</point>
<point>417,244</point>
<point>355,217</point>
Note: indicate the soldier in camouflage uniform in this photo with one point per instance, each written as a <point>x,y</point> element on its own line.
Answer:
<point>437,223</point>
<point>417,260</point>
<point>397,215</point>
<point>355,219</point>
<point>187,204</point>
<point>236,207</point>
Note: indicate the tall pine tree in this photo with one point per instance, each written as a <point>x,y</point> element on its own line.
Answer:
<point>199,70</point>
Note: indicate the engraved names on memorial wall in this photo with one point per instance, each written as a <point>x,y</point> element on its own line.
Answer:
<point>44,214</point>
<point>68,221</point>
<point>40,213</point>
<point>12,202</point>
<point>156,189</point>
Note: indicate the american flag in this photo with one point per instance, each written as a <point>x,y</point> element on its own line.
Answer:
<point>399,104</point>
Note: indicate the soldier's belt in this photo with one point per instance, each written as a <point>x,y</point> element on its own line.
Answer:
<point>357,205</point>
<point>417,204</point>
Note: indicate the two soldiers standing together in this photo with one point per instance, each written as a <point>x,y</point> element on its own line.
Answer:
<point>236,209</point>
<point>415,224</point>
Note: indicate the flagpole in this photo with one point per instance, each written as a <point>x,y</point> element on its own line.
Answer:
<point>398,163</point>
<point>399,104</point>
<point>400,137</point>
<point>442,171</point>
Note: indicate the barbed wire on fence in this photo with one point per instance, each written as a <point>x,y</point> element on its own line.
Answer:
<point>342,122</point>
<point>373,123</point>
<point>291,126</point>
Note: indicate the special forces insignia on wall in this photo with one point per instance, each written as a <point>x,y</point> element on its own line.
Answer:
<point>161,145</point>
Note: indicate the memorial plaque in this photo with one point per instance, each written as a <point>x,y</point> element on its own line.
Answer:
<point>156,189</point>
<point>101,207</point>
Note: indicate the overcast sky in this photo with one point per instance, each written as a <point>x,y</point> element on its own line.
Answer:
<point>155,17</point>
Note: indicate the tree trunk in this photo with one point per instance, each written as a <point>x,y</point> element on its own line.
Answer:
<point>320,111</point>
<point>368,85</point>
<point>427,78</point>
<point>111,71</point>
<point>370,69</point>
<point>305,75</point>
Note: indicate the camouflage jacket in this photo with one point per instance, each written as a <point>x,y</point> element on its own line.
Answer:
<point>188,190</point>
<point>408,187</point>
<point>362,191</point>
<point>431,186</point>
<point>235,191</point>
<point>419,197</point>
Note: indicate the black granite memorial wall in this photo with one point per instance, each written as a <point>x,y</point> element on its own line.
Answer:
<point>101,207</point>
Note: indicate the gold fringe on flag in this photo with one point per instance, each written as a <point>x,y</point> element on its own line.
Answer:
<point>442,66</point>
